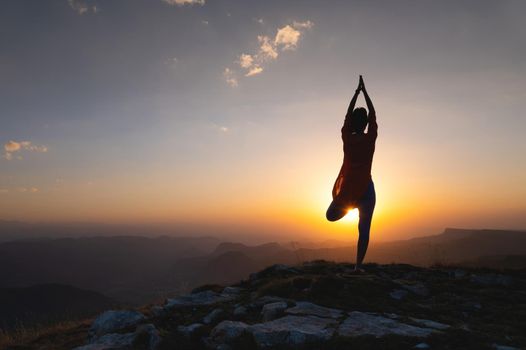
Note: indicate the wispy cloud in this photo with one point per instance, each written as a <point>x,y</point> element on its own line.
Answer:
<point>286,39</point>
<point>20,190</point>
<point>83,7</point>
<point>230,77</point>
<point>254,70</point>
<point>27,189</point>
<point>184,2</point>
<point>14,147</point>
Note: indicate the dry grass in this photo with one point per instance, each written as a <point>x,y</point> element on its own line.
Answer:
<point>44,336</point>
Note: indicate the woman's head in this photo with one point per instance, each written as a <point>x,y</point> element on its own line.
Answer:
<point>359,120</point>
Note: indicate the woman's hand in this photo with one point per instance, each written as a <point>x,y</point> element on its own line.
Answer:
<point>361,85</point>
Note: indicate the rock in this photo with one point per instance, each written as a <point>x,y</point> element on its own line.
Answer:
<point>157,311</point>
<point>503,347</point>
<point>151,333</point>
<point>228,331</point>
<point>223,347</point>
<point>191,330</point>
<point>459,273</point>
<point>471,306</point>
<point>492,279</point>
<point>282,268</point>
<point>145,334</point>
<point>93,347</point>
<point>240,311</point>
<point>421,346</point>
<point>266,299</point>
<point>111,321</point>
<point>292,330</point>
<point>273,310</point>
<point>112,341</point>
<point>360,323</point>
<point>398,294</point>
<point>207,297</point>
<point>306,308</point>
<point>214,316</point>
<point>429,323</point>
<point>279,269</point>
<point>418,289</point>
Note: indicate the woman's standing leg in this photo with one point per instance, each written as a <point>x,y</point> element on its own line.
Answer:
<point>366,209</point>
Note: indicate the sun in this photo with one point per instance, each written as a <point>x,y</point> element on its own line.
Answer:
<point>352,215</point>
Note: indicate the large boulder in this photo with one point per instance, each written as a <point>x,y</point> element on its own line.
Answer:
<point>273,310</point>
<point>146,335</point>
<point>240,311</point>
<point>360,323</point>
<point>307,308</point>
<point>214,316</point>
<point>112,321</point>
<point>492,279</point>
<point>430,323</point>
<point>228,331</point>
<point>267,299</point>
<point>112,341</point>
<point>149,335</point>
<point>190,330</point>
<point>398,294</point>
<point>293,330</point>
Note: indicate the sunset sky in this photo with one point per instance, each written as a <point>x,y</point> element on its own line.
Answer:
<point>227,114</point>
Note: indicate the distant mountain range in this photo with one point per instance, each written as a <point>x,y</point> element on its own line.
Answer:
<point>137,270</point>
<point>130,269</point>
<point>48,303</point>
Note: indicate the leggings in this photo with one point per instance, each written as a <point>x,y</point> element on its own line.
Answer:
<point>365,207</point>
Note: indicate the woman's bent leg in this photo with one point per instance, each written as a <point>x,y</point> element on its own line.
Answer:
<point>335,212</point>
<point>366,209</point>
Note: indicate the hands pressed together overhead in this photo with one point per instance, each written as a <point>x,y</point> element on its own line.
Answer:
<point>361,85</point>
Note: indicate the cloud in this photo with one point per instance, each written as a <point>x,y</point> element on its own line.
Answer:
<point>11,147</point>
<point>254,71</point>
<point>302,25</point>
<point>230,78</point>
<point>245,60</point>
<point>286,39</point>
<point>266,49</point>
<point>82,7</point>
<point>184,2</point>
<point>27,189</point>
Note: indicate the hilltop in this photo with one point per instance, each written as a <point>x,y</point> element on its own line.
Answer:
<point>322,305</point>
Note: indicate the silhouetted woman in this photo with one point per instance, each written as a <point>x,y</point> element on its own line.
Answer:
<point>354,186</point>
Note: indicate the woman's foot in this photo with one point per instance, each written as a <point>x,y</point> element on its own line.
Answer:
<point>358,270</point>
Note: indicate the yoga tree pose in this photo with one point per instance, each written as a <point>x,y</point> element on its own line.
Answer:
<point>354,186</point>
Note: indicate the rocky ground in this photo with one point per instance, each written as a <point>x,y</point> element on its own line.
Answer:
<point>322,305</point>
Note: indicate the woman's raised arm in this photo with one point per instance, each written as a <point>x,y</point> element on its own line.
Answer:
<point>373,126</point>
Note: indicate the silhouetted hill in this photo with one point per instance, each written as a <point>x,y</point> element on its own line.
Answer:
<point>130,269</point>
<point>498,262</point>
<point>453,246</point>
<point>48,303</point>
<point>228,266</point>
